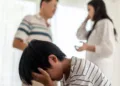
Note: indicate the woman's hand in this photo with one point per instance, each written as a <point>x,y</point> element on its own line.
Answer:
<point>86,47</point>
<point>82,48</point>
<point>43,77</point>
<point>88,17</point>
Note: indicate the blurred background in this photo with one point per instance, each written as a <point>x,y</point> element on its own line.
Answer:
<point>69,16</point>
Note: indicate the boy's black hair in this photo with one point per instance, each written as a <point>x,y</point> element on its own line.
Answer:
<point>36,55</point>
<point>46,1</point>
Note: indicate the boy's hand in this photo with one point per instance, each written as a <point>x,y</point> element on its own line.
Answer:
<point>43,78</point>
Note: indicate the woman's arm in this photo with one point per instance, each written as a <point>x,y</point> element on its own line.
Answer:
<point>87,48</point>
<point>105,48</point>
<point>81,32</point>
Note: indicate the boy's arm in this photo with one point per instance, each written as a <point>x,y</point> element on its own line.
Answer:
<point>43,78</point>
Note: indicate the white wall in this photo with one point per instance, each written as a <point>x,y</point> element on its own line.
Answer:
<point>114,11</point>
<point>11,13</point>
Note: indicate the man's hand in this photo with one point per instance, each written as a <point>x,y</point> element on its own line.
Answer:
<point>19,44</point>
<point>43,77</point>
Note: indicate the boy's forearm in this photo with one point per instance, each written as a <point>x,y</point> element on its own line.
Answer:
<point>50,84</point>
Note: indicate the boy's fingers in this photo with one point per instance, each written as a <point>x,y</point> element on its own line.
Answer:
<point>36,76</point>
<point>42,71</point>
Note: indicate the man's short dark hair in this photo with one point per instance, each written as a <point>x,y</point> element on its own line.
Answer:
<point>36,55</point>
<point>46,1</point>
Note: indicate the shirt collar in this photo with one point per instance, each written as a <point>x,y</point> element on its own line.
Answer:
<point>40,17</point>
<point>71,69</point>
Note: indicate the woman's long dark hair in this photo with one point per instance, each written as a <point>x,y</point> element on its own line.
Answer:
<point>100,13</point>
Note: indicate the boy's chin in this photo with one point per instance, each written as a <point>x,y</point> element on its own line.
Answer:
<point>57,79</point>
<point>60,78</point>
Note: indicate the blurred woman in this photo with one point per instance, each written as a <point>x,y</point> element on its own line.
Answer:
<point>101,38</point>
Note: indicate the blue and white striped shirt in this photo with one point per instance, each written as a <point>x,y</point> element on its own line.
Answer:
<point>33,27</point>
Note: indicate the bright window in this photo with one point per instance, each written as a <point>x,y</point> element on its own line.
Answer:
<point>65,25</point>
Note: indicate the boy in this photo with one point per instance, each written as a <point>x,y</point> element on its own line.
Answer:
<point>45,62</point>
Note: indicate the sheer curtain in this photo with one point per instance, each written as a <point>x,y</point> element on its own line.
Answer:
<point>65,25</point>
<point>11,14</point>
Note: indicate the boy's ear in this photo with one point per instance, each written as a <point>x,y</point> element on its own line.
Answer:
<point>44,3</point>
<point>52,59</point>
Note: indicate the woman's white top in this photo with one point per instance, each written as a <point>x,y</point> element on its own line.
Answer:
<point>103,39</point>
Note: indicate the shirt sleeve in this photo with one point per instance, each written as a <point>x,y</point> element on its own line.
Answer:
<point>24,29</point>
<point>105,48</point>
<point>81,32</point>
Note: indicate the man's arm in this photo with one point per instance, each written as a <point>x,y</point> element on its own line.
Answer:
<point>19,44</point>
<point>22,33</point>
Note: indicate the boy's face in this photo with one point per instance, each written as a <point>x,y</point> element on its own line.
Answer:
<point>56,70</point>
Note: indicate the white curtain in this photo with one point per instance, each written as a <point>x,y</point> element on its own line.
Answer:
<point>11,14</point>
<point>65,25</point>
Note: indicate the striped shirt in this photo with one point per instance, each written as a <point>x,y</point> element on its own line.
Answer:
<point>33,27</point>
<point>85,73</point>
